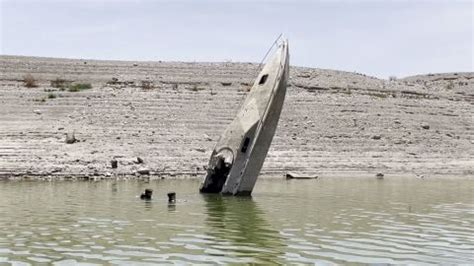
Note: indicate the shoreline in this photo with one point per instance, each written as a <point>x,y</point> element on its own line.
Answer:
<point>180,176</point>
<point>170,114</point>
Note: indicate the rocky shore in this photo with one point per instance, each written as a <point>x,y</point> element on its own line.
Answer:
<point>88,119</point>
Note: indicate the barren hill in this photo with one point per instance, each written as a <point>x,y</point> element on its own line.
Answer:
<point>170,114</point>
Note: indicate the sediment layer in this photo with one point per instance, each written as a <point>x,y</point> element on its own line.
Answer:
<point>170,114</point>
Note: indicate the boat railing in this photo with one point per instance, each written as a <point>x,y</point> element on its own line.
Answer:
<point>279,38</point>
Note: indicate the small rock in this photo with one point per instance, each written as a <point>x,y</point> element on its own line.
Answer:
<point>143,171</point>
<point>139,160</point>
<point>70,138</point>
<point>147,194</point>
<point>294,175</point>
<point>172,197</point>
<point>114,163</point>
<point>135,64</point>
<point>36,111</point>
<point>376,137</point>
<point>379,176</point>
<point>425,126</point>
<point>206,137</point>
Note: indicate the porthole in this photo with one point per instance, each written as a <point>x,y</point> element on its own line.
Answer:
<point>263,79</point>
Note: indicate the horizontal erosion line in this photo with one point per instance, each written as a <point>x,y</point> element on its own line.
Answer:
<point>169,155</point>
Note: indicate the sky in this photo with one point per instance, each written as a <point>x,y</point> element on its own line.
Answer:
<point>378,38</point>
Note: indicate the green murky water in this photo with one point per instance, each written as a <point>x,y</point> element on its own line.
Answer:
<point>323,221</point>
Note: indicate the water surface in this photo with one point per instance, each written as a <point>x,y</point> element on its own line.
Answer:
<point>326,221</point>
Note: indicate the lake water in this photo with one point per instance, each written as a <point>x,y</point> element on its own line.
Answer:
<point>324,221</point>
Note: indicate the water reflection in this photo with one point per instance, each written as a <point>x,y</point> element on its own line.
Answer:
<point>238,224</point>
<point>328,221</point>
<point>148,204</point>
<point>171,206</point>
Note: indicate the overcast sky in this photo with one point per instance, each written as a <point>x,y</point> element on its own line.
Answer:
<point>379,38</point>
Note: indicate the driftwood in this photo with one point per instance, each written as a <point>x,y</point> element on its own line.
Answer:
<point>295,175</point>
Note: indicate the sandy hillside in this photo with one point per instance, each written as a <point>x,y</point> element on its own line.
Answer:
<point>170,115</point>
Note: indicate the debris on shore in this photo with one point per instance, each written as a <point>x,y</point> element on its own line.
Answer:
<point>295,175</point>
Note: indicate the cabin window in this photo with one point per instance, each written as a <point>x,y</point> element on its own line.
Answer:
<point>263,79</point>
<point>245,145</point>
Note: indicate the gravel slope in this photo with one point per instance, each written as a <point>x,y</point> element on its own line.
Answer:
<point>333,123</point>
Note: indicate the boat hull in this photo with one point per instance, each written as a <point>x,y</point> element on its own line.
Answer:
<point>239,155</point>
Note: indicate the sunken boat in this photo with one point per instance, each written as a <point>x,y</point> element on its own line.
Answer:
<point>239,154</point>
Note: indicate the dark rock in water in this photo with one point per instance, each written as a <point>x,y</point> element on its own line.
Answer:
<point>147,194</point>
<point>379,176</point>
<point>143,171</point>
<point>172,197</point>
<point>293,175</point>
<point>70,138</point>
<point>114,163</point>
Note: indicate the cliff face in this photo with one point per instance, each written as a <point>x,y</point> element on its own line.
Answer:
<point>171,114</point>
